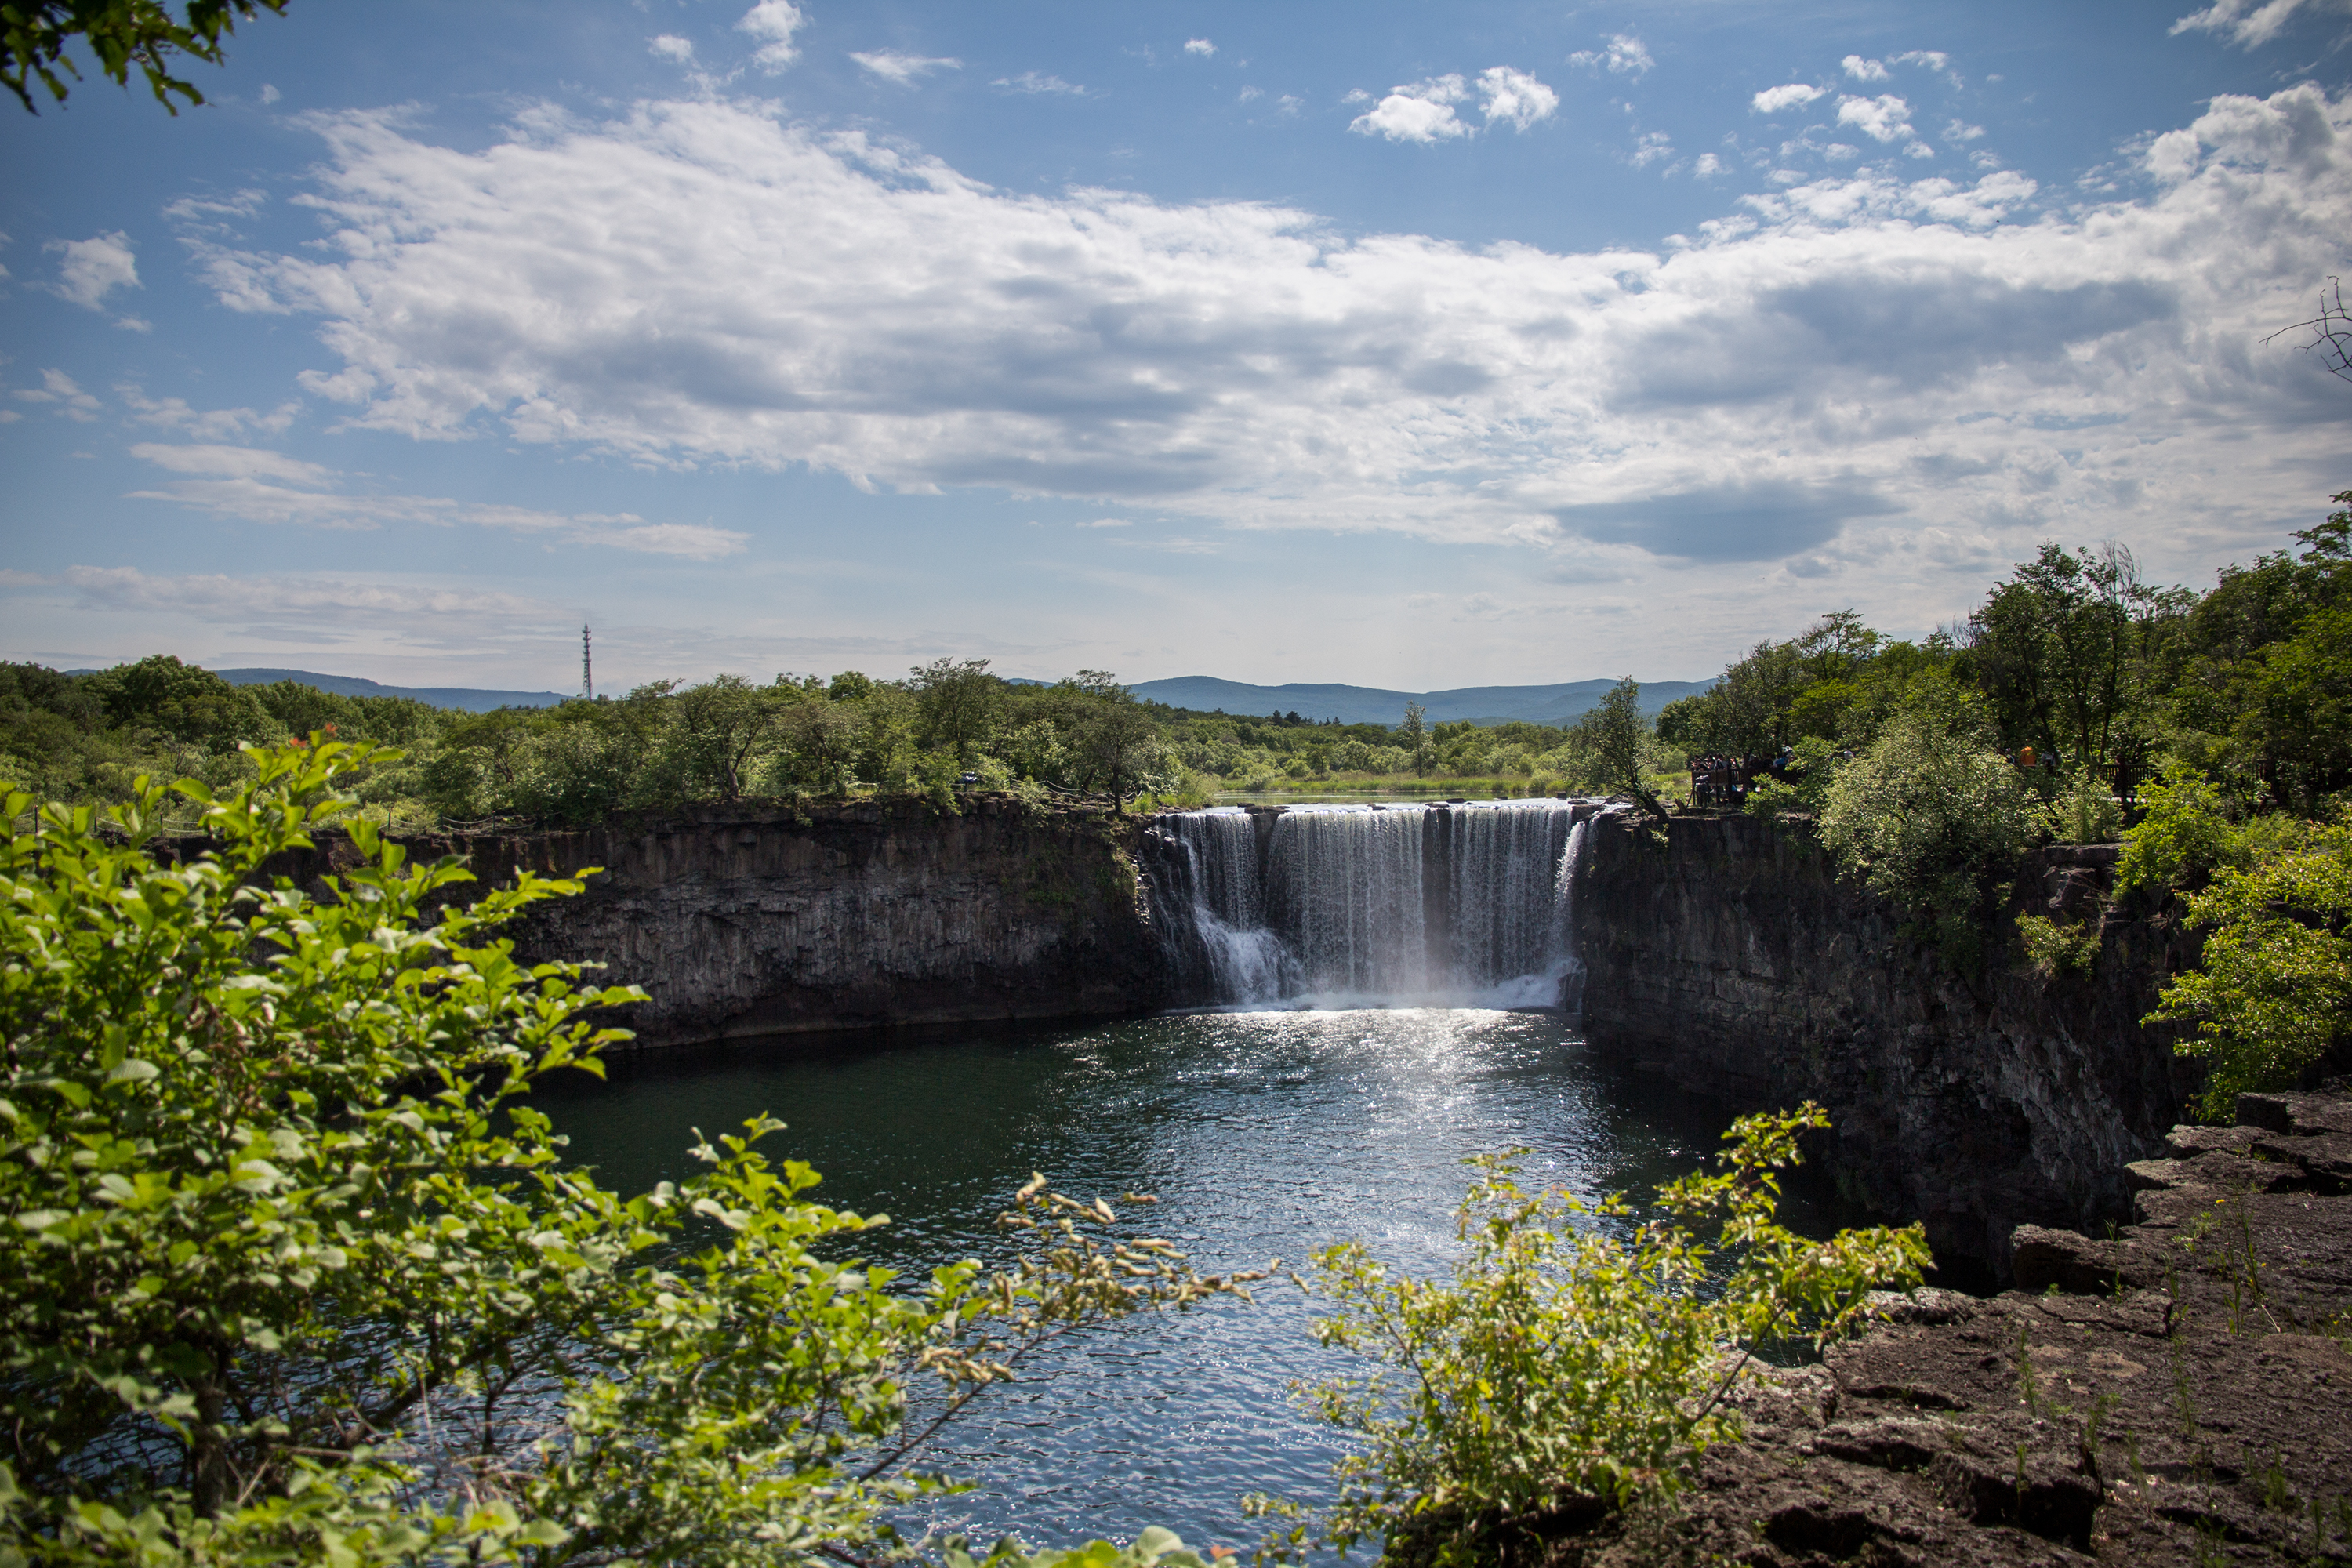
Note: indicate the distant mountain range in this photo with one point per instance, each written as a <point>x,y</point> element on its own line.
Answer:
<point>471,699</point>
<point>1560,704</point>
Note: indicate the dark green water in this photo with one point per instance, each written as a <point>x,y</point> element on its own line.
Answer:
<point>1264,1135</point>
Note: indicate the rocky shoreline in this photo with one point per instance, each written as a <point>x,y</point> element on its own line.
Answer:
<point>2178,1393</point>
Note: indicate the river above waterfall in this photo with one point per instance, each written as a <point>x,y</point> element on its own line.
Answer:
<point>1264,1135</point>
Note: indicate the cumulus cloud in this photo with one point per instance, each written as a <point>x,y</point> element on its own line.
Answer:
<point>1514,98</point>
<point>1200,46</point>
<point>1862,69</point>
<point>1423,112</point>
<point>259,485</point>
<point>2249,23</point>
<point>1625,55</point>
<point>892,65</point>
<point>670,47</point>
<point>773,22</point>
<point>1794,95</point>
<point>94,267</point>
<point>1886,118</point>
<point>708,282</point>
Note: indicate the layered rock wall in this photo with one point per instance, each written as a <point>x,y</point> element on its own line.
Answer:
<point>758,921</point>
<point>1725,954</point>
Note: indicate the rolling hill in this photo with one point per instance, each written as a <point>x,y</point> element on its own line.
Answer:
<point>1560,704</point>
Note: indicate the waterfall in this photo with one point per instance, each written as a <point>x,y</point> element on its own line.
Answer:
<point>1457,902</point>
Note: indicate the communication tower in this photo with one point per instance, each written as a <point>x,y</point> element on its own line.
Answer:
<point>587,672</point>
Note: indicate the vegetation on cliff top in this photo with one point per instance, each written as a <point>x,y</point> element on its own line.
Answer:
<point>2211,733</point>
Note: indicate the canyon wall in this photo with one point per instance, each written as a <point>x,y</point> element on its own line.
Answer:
<point>758,921</point>
<point>1725,955</point>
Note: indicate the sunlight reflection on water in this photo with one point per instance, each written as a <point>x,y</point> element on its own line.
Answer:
<point>1264,1135</point>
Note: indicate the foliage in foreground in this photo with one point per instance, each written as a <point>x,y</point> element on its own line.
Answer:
<point>2273,993</point>
<point>295,1273</point>
<point>1560,1363</point>
<point>34,35</point>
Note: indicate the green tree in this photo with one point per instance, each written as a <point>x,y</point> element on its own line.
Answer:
<point>1928,819</point>
<point>1413,736</point>
<point>958,703</point>
<point>297,1273</point>
<point>2066,651</point>
<point>35,34</point>
<point>1115,745</point>
<point>1614,733</point>
<point>184,702</point>
<point>716,732</point>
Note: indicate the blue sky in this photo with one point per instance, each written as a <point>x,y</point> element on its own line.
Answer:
<point>1404,345</point>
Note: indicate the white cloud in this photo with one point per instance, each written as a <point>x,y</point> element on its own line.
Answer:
<point>1200,46</point>
<point>1107,522</point>
<point>94,267</point>
<point>1883,119</point>
<point>1625,55</point>
<point>1960,130</point>
<point>243,463</point>
<point>2249,24</point>
<point>318,605</point>
<point>203,424</point>
<point>670,47</point>
<point>1794,95</point>
<point>1707,167</point>
<point>774,21</point>
<point>892,65</point>
<point>1863,70</point>
<point>1652,147</point>
<point>57,388</point>
<point>1936,60</point>
<point>1805,375</point>
<point>259,485</point>
<point>1036,82</point>
<point>1423,112</point>
<point>1514,97</point>
<point>270,94</point>
<point>1249,93</point>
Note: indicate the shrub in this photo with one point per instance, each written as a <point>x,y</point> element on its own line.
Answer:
<point>2183,835</point>
<point>1926,820</point>
<point>2054,949</point>
<point>296,1274</point>
<point>1560,1359</point>
<point>2083,811</point>
<point>2273,991</point>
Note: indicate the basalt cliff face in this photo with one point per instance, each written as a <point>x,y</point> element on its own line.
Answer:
<point>759,920</point>
<point>1725,954</point>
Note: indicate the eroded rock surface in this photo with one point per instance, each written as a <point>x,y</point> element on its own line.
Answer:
<point>2181,1393</point>
<point>1727,957</point>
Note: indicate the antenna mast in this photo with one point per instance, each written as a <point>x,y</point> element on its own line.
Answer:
<point>587,673</point>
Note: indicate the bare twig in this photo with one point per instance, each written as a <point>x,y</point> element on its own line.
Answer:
<point>2331,330</point>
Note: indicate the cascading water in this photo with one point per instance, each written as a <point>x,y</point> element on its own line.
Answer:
<point>1454,901</point>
